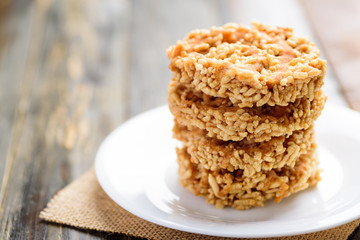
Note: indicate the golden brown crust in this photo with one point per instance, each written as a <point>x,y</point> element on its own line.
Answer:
<point>251,157</point>
<point>224,121</point>
<point>250,66</point>
<point>224,188</point>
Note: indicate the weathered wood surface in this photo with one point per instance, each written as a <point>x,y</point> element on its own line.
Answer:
<point>71,71</point>
<point>338,28</point>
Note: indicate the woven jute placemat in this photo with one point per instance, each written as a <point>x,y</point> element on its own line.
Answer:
<point>83,204</point>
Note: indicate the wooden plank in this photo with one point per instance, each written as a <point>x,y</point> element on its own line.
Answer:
<point>338,28</point>
<point>14,41</point>
<point>155,27</point>
<point>71,97</point>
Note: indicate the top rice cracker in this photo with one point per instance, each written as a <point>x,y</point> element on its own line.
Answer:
<point>249,66</point>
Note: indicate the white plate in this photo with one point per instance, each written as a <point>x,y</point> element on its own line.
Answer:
<point>136,166</point>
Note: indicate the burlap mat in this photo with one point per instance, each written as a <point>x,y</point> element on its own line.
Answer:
<point>84,204</point>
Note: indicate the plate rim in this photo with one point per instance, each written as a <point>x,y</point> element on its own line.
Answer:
<point>173,225</point>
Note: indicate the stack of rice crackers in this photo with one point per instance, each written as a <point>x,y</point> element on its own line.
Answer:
<point>245,101</point>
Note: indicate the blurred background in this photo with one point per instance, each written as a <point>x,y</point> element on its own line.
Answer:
<point>71,71</point>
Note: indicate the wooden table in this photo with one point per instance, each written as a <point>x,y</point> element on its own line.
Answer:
<point>71,71</point>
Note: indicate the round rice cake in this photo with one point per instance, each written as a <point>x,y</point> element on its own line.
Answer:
<point>224,188</point>
<point>225,121</point>
<point>251,157</point>
<point>249,66</point>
